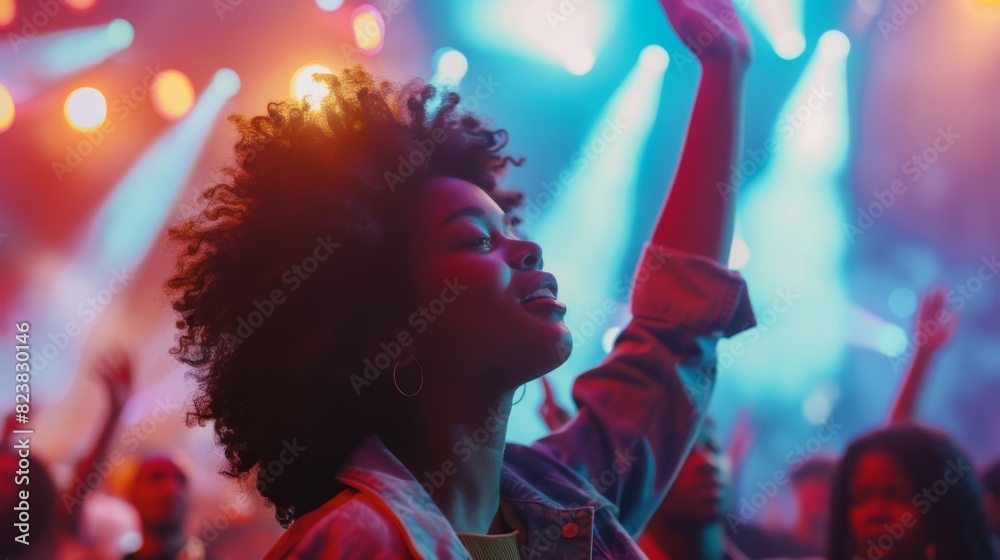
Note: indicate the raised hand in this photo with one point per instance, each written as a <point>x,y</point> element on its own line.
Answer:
<point>935,324</point>
<point>554,415</point>
<point>711,28</point>
<point>114,368</point>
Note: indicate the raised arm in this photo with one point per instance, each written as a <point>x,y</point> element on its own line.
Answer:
<point>114,370</point>
<point>935,325</point>
<point>697,217</point>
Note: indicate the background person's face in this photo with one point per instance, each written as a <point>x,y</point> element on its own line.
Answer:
<point>881,502</point>
<point>462,237</point>
<point>160,493</point>
<point>700,494</point>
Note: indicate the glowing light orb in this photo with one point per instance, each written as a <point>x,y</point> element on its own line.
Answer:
<point>579,61</point>
<point>451,64</point>
<point>80,4</point>
<point>369,29</point>
<point>172,95</point>
<point>654,58</point>
<point>307,89</point>
<point>6,109</point>
<point>8,9</point>
<point>120,33</point>
<point>85,109</point>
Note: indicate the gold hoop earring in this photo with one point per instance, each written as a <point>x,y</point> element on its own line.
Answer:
<point>409,359</point>
<point>524,392</point>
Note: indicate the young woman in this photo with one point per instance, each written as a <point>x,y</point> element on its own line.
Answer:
<point>358,320</point>
<point>906,492</point>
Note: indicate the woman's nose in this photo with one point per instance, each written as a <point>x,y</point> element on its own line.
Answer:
<point>528,256</point>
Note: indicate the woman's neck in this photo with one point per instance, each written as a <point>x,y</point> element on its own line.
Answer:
<point>456,453</point>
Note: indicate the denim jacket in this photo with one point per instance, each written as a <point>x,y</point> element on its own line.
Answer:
<point>586,490</point>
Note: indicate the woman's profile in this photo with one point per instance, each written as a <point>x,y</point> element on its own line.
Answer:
<point>395,316</point>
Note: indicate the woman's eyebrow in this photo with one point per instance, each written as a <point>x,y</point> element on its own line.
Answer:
<point>475,212</point>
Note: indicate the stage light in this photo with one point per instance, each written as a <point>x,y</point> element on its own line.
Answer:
<point>80,4</point>
<point>902,302</point>
<point>329,5</point>
<point>834,44</point>
<point>8,10</point>
<point>6,109</point>
<point>654,58</point>
<point>870,7</point>
<point>85,109</point>
<point>369,29</point>
<point>781,22</point>
<point>120,34</point>
<point>580,61</point>
<point>451,66</point>
<point>225,82</point>
<point>172,94</point>
<point>307,89</point>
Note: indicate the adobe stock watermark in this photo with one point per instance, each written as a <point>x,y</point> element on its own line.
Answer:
<point>914,168</point>
<point>121,107</point>
<point>32,24</point>
<point>899,16</point>
<point>595,320</point>
<point>788,125</point>
<point>794,460</point>
<point>88,310</point>
<point>924,500</point>
<point>293,276</point>
<point>420,320</point>
<point>957,297</point>
<point>705,378</point>
<point>268,473</point>
<point>533,207</point>
<point>130,440</point>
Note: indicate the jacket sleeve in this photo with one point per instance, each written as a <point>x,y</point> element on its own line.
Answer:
<point>640,409</point>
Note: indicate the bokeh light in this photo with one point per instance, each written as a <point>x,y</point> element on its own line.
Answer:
<point>739,254</point>
<point>369,29</point>
<point>835,44</point>
<point>451,65</point>
<point>902,302</point>
<point>80,4</point>
<point>329,5</point>
<point>8,9</point>
<point>85,109</point>
<point>654,58</point>
<point>6,109</point>
<point>303,85</point>
<point>173,94</point>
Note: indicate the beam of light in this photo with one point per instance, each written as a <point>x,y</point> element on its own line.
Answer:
<point>369,29</point>
<point>36,64</point>
<point>781,22</point>
<point>6,109</point>
<point>85,109</point>
<point>870,331</point>
<point>172,95</point>
<point>599,189</point>
<point>793,216</point>
<point>450,67</point>
<point>303,85</point>
<point>119,235</point>
<point>569,34</point>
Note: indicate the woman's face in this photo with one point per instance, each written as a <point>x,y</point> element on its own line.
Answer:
<point>483,302</point>
<point>882,513</point>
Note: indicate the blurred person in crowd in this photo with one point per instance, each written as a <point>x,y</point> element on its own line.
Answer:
<point>906,492</point>
<point>56,519</point>
<point>371,404</point>
<point>161,494</point>
<point>991,498</point>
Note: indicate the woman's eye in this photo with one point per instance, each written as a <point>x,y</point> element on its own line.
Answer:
<point>481,242</point>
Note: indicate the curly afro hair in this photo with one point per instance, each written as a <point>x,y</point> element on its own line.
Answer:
<point>291,272</point>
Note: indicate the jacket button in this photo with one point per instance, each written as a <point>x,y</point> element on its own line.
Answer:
<point>570,530</point>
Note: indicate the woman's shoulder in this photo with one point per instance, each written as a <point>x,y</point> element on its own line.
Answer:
<point>351,525</point>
